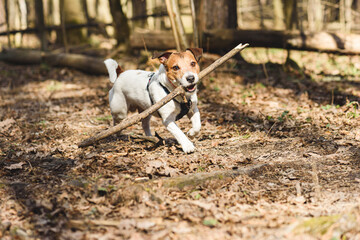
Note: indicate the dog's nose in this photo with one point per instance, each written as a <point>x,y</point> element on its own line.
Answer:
<point>190,79</point>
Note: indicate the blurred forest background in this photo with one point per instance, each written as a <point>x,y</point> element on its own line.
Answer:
<point>215,25</point>
<point>278,156</point>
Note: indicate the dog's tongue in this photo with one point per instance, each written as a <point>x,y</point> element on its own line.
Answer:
<point>191,88</point>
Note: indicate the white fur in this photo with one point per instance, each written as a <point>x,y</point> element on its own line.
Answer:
<point>130,91</point>
<point>111,66</point>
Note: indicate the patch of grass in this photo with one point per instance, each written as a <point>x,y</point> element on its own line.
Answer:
<point>201,169</point>
<point>210,222</point>
<point>326,107</point>
<point>55,86</point>
<point>269,118</point>
<point>284,115</point>
<point>197,196</point>
<point>317,225</point>
<point>246,136</point>
<point>45,67</point>
<point>42,122</point>
<point>104,118</point>
<point>354,112</point>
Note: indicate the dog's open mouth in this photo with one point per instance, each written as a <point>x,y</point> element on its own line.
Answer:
<point>191,88</point>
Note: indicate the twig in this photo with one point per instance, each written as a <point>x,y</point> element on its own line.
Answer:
<point>146,138</point>
<point>177,91</point>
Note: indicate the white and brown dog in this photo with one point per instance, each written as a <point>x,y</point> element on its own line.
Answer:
<point>137,89</point>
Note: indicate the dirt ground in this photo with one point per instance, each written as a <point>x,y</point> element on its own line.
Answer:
<point>295,126</point>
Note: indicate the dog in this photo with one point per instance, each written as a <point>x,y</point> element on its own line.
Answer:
<point>138,90</point>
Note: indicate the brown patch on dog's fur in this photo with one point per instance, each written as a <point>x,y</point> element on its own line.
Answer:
<point>185,61</point>
<point>178,63</point>
<point>118,71</point>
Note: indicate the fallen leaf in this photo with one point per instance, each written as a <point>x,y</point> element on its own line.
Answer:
<point>144,225</point>
<point>6,124</point>
<point>15,166</point>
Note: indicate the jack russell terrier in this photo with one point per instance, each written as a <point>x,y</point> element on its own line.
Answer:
<point>137,89</point>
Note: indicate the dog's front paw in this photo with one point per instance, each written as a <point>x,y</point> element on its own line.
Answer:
<point>192,133</point>
<point>188,147</point>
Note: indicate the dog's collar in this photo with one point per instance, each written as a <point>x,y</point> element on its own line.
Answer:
<point>184,106</point>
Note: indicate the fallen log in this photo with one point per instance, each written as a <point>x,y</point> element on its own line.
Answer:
<point>56,27</point>
<point>211,180</point>
<point>78,61</point>
<point>177,91</point>
<point>220,40</point>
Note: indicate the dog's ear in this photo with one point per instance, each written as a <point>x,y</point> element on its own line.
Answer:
<point>163,57</point>
<point>197,52</point>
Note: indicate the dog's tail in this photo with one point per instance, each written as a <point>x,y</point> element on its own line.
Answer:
<point>113,68</point>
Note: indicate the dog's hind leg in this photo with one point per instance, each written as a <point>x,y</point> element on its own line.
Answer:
<point>118,106</point>
<point>146,125</point>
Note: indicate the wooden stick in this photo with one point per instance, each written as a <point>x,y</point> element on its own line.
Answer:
<point>177,91</point>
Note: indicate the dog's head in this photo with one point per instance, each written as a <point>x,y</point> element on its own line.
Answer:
<point>182,67</point>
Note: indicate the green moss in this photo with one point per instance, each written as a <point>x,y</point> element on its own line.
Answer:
<point>317,225</point>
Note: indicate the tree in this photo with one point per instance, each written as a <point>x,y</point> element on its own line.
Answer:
<point>290,14</point>
<point>139,13</point>
<point>215,14</point>
<point>315,15</point>
<point>72,13</point>
<point>40,23</point>
<point>120,23</point>
<point>219,14</point>
<point>278,14</point>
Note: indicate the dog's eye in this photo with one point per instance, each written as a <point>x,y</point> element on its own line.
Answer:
<point>176,67</point>
<point>193,64</point>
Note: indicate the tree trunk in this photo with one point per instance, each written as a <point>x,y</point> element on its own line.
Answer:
<point>348,18</point>
<point>173,24</point>
<point>195,29</point>
<point>138,11</point>
<point>86,13</point>
<point>31,15</point>
<point>278,15</point>
<point>356,7</point>
<point>262,24</point>
<point>219,14</point>
<point>290,13</point>
<point>72,13</point>
<point>179,25</point>
<point>40,24</point>
<point>215,14</point>
<point>315,15</point>
<point>6,10</point>
<point>120,23</point>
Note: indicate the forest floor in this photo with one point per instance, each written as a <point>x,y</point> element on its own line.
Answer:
<point>284,141</point>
